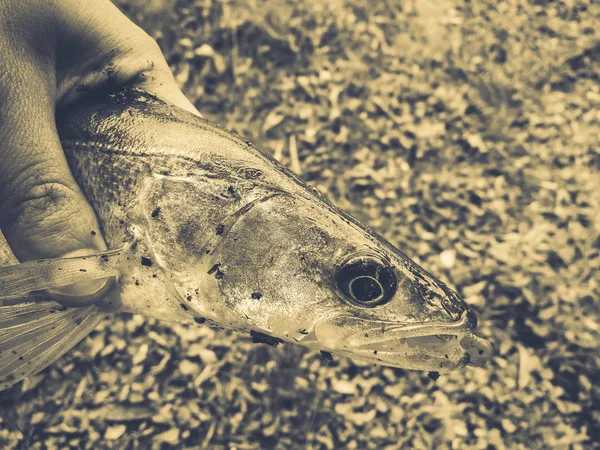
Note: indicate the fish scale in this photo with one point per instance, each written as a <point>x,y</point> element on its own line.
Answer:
<point>206,228</point>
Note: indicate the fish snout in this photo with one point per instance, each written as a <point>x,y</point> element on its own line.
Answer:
<point>478,350</point>
<point>471,319</point>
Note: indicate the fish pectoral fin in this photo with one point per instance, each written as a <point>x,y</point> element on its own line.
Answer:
<point>37,331</point>
<point>21,279</point>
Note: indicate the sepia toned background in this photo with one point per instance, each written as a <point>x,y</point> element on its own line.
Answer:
<point>464,132</point>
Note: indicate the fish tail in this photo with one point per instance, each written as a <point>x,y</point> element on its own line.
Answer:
<point>36,332</point>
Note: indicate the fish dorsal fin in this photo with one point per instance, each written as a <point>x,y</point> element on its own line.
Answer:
<point>35,330</point>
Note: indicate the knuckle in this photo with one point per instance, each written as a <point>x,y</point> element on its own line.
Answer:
<point>47,204</point>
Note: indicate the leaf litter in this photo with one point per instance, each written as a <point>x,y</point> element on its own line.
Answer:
<point>464,132</point>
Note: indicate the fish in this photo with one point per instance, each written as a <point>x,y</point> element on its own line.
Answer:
<point>204,227</point>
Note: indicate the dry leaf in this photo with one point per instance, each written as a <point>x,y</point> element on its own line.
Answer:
<point>115,432</point>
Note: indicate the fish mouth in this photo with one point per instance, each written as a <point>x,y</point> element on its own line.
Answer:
<point>442,352</point>
<point>433,346</point>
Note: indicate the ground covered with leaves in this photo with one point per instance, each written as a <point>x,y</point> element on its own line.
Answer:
<point>464,132</point>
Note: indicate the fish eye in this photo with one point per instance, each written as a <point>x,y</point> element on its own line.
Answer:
<point>366,281</point>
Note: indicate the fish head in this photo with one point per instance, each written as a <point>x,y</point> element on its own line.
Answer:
<point>222,233</point>
<point>302,271</point>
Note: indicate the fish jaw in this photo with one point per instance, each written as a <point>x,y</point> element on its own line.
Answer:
<point>433,346</point>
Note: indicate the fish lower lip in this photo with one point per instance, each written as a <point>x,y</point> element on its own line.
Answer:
<point>431,342</point>
<point>478,350</point>
<point>368,335</point>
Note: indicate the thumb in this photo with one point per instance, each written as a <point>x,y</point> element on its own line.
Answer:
<point>43,213</point>
<point>159,80</point>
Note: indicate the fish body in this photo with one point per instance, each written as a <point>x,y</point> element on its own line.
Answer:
<point>203,226</point>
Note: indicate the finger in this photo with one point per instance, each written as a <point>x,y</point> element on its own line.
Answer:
<point>43,213</point>
<point>160,82</point>
<point>109,49</point>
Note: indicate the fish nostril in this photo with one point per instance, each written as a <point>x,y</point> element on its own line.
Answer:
<point>471,320</point>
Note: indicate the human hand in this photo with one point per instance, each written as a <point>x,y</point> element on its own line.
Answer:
<point>51,54</point>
